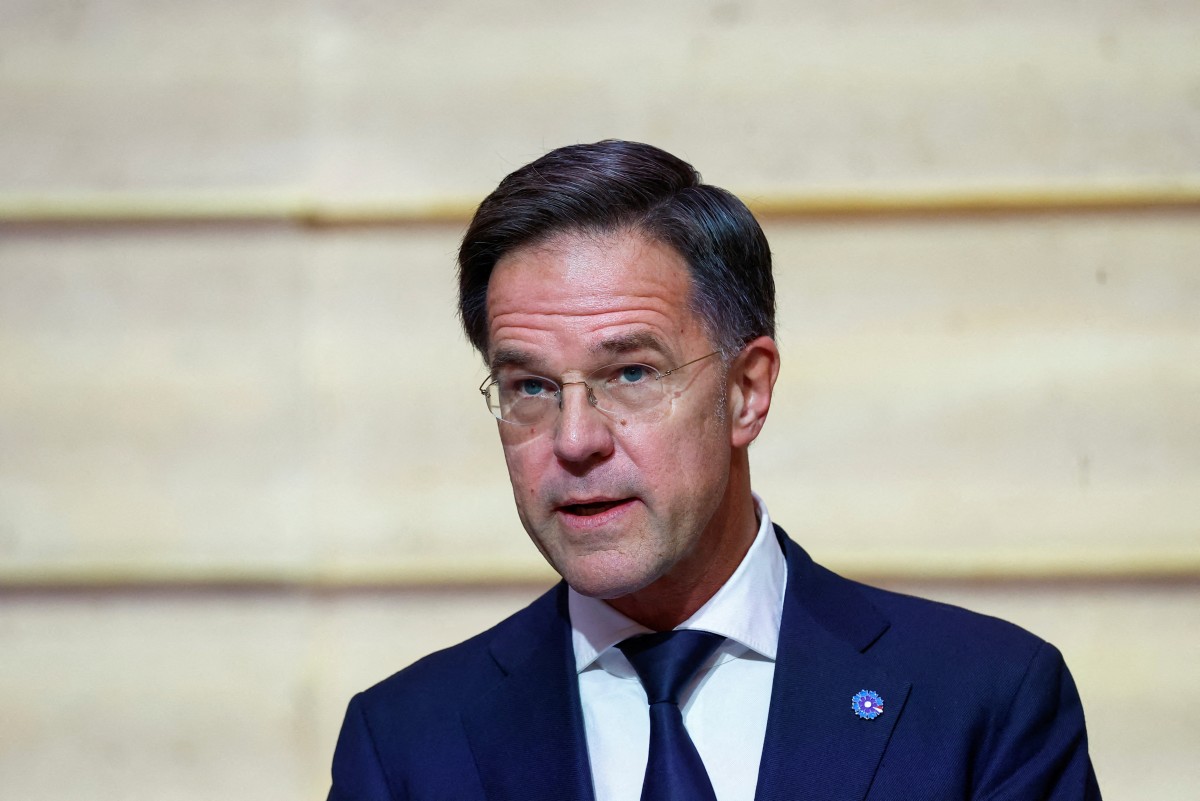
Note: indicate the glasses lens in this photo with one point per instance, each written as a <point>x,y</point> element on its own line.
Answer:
<point>626,388</point>
<point>522,399</point>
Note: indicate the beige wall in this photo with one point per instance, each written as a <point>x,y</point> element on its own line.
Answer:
<point>235,445</point>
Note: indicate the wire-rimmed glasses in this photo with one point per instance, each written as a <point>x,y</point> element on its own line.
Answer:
<point>622,389</point>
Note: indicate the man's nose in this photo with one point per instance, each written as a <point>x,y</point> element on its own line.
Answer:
<point>582,434</point>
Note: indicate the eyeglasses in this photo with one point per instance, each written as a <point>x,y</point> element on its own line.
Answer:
<point>625,389</point>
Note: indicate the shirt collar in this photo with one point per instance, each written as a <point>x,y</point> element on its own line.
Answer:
<point>746,609</point>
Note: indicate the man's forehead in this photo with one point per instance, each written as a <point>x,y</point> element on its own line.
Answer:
<point>577,276</point>
<point>580,301</point>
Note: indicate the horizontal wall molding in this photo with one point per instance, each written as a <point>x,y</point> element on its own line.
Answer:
<point>906,567</point>
<point>236,207</point>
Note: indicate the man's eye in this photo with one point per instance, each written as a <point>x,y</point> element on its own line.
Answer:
<point>632,374</point>
<point>531,387</point>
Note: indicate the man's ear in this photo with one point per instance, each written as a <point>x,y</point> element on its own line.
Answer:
<point>751,381</point>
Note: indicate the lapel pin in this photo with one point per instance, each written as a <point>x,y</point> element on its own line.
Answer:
<point>867,704</point>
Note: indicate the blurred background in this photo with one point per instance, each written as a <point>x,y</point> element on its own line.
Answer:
<point>244,471</point>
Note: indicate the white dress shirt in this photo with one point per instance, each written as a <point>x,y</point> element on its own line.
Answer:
<point>724,708</point>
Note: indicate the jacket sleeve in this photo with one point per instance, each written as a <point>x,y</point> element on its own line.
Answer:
<point>357,772</point>
<point>1039,749</point>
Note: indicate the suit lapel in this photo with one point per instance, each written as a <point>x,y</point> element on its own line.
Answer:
<point>527,732</point>
<point>816,747</point>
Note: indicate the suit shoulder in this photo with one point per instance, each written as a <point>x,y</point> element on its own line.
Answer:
<point>905,627</point>
<point>404,736</point>
<point>946,643</point>
<point>936,620</point>
<point>459,670</point>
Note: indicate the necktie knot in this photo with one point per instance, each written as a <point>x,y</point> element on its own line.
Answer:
<point>667,660</point>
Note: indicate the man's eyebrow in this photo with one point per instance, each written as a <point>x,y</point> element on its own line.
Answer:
<point>511,357</point>
<point>508,357</point>
<point>627,343</point>
<point>610,347</point>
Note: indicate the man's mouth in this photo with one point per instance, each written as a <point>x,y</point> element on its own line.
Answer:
<point>591,508</point>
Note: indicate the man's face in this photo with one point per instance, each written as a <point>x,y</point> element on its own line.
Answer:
<point>613,504</point>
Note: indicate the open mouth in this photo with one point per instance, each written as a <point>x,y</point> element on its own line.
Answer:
<point>591,509</point>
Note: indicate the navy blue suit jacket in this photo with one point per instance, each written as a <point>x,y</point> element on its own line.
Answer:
<point>974,708</point>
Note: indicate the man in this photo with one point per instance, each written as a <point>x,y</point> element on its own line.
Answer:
<point>693,651</point>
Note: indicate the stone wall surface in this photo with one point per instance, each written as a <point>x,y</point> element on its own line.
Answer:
<point>244,471</point>
<point>366,98</point>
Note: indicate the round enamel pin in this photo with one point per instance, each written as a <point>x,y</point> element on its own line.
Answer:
<point>867,704</point>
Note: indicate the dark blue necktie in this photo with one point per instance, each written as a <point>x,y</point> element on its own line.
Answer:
<point>666,662</point>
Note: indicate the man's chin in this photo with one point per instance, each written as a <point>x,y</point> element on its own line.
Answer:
<point>604,581</point>
<point>601,592</point>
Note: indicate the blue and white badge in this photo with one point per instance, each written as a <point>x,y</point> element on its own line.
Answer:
<point>867,704</point>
